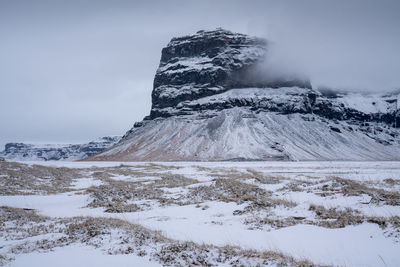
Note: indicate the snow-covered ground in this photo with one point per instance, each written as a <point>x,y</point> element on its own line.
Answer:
<point>182,213</point>
<point>80,256</point>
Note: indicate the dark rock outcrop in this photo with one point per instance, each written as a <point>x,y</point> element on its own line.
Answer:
<point>211,62</point>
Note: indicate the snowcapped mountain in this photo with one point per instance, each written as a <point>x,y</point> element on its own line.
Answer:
<point>210,101</point>
<point>39,152</point>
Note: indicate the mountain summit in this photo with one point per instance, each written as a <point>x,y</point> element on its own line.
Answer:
<point>213,100</point>
<point>209,63</point>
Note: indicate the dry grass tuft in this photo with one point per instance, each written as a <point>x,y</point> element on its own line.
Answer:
<point>233,190</point>
<point>335,218</point>
<point>23,179</point>
<point>353,188</point>
<point>117,196</point>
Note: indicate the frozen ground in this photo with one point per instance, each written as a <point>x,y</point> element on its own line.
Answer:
<point>193,213</point>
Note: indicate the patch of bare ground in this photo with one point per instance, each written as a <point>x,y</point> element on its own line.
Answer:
<point>259,222</point>
<point>332,186</point>
<point>221,173</point>
<point>353,188</point>
<point>138,171</point>
<point>328,218</point>
<point>233,190</point>
<point>24,179</point>
<point>391,181</point>
<point>265,179</point>
<point>19,215</point>
<point>116,236</point>
<point>309,185</point>
<point>336,218</point>
<point>117,196</point>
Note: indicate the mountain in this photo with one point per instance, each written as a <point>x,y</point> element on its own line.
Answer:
<point>22,151</point>
<point>213,99</point>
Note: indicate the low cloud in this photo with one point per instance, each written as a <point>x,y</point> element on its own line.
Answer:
<point>352,45</point>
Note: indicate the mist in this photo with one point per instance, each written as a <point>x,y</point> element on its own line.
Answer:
<point>352,46</point>
<point>76,70</point>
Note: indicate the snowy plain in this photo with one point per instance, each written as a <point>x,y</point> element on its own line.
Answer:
<point>298,209</point>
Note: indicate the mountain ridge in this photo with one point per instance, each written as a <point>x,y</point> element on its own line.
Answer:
<point>207,105</point>
<point>44,152</point>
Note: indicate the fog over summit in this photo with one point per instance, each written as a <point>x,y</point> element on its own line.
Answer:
<point>73,71</point>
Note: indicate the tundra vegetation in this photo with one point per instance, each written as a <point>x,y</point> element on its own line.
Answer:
<point>264,200</point>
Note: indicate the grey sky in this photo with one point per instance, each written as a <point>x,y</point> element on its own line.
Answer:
<point>71,71</point>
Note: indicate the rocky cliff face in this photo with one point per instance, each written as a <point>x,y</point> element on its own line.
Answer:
<point>45,152</point>
<point>209,63</point>
<point>211,101</point>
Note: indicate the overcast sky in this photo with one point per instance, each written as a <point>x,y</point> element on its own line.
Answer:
<point>71,71</point>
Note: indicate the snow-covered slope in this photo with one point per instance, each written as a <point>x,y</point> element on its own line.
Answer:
<point>240,134</point>
<point>22,151</point>
<point>211,102</point>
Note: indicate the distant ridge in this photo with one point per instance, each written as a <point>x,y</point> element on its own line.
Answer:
<point>45,152</point>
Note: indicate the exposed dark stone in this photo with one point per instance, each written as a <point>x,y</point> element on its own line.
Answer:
<point>335,129</point>
<point>138,124</point>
